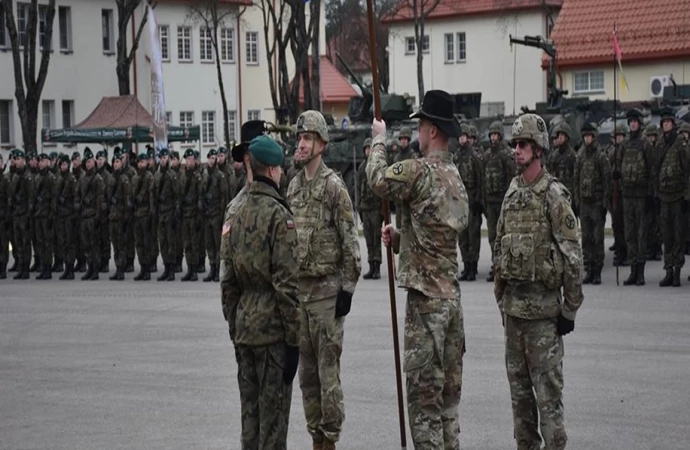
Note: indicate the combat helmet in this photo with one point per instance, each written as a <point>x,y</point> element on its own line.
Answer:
<point>531,127</point>
<point>313,121</point>
<point>634,114</point>
<point>465,129</point>
<point>623,129</point>
<point>496,127</point>
<point>473,132</point>
<point>367,143</point>
<point>651,130</point>
<point>684,127</point>
<point>564,128</point>
<point>405,132</point>
<point>589,128</point>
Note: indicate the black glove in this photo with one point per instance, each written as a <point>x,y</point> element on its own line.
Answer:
<point>616,175</point>
<point>564,326</point>
<point>343,303</point>
<point>603,214</point>
<point>291,362</point>
<point>649,205</point>
<point>684,206</point>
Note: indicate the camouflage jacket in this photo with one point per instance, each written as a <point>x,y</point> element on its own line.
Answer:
<point>165,191</point>
<point>230,181</point>
<point>592,177</point>
<point>637,167</point>
<point>119,196</point>
<point>673,169</point>
<point>4,197</point>
<point>90,197</point>
<point>537,252</point>
<point>214,192</point>
<point>328,242</point>
<point>259,286</point>
<point>230,212</point>
<point>44,195</point>
<point>142,193</point>
<point>190,192</point>
<point>65,191</point>
<point>499,169</point>
<point>403,154</point>
<point>434,211</point>
<point>21,192</point>
<point>470,167</point>
<point>106,175</point>
<point>366,199</point>
<point>561,164</point>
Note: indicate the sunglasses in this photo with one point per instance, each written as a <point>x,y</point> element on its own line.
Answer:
<point>522,144</point>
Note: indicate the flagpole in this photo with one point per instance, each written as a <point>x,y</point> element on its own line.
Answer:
<point>615,131</point>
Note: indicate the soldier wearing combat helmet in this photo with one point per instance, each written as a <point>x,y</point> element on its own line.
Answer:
<point>328,255</point>
<point>538,263</point>
<point>369,209</point>
<point>561,161</point>
<point>405,152</point>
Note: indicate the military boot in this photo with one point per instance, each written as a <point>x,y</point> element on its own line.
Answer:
<point>216,273</point>
<point>676,276</point>
<point>178,266</point>
<point>80,266</point>
<point>490,278</point>
<point>142,272</point>
<point>153,268</point>
<point>201,267</point>
<point>472,273</point>
<point>36,266</point>
<point>23,272</point>
<point>13,267</point>
<point>368,275</point>
<point>211,273</point>
<point>596,275</point>
<point>3,271</point>
<point>68,274</point>
<point>668,279</point>
<point>105,265</point>
<point>47,272</point>
<point>58,266</point>
<point>118,275</point>
<point>130,265</point>
<point>640,275</point>
<point>632,278</point>
<point>191,274</point>
<point>465,272</point>
<point>42,274</point>
<point>166,272</point>
<point>377,271</point>
<point>89,272</point>
<point>171,273</point>
<point>94,273</point>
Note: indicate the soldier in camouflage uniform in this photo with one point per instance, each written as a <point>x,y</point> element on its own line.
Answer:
<point>651,132</point>
<point>617,205</point>
<point>591,197</point>
<point>102,170</point>
<point>672,179</point>
<point>90,202</point>
<point>142,200</point>
<point>404,153</point>
<point>78,173</point>
<point>393,152</point>
<point>21,200</point>
<point>469,165</point>
<point>44,212</point>
<point>499,169</point>
<point>190,193</point>
<point>638,196</point>
<point>129,171</point>
<point>369,207</point>
<point>538,261</point>
<point>65,218</point>
<point>434,211</point>
<point>33,168</point>
<point>176,167</point>
<point>329,270</point>
<point>214,200</point>
<point>228,172</point>
<point>259,291</point>
<point>4,220</point>
<point>119,197</point>
<point>153,249</point>
<point>561,162</point>
<point>166,201</point>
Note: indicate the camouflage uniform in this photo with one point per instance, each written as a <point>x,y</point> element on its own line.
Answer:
<point>617,205</point>
<point>434,210</point>
<point>32,156</point>
<point>190,194</point>
<point>369,206</point>
<point>130,172</point>
<point>215,198</point>
<point>4,222</point>
<point>90,200</point>
<point>259,291</point>
<point>21,199</point>
<point>166,201</point>
<point>561,163</point>
<point>328,254</point>
<point>402,154</point>
<point>65,223</point>
<point>654,232</point>
<point>499,169</point>
<point>78,173</point>
<point>119,198</point>
<point>103,216</point>
<point>469,165</point>
<point>592,190</point>
<point>44,213</point>
<point>142,198</point>
<point>538,263</point>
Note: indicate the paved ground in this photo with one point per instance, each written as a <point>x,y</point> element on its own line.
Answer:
<point>107,365</point>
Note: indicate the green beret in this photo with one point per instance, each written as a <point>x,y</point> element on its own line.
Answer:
<point>63,159</point>
<point>53,155</point>
<point>222,150</point>
<point>143,155</point>
<point>175,154</point>
<point>212,152</point>
<point>189,152</point>
<point>164,152</point>
<point>88,154</point>
<point>43,156</point>
<point>101,154</point>
<point>197,155</point>
<point>31,155</point>
<point>75,155</point>
<point>18,153</point>
<point>117,156</point>
<point>266,151</point>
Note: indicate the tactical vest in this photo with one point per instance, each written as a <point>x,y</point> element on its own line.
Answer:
<point>528,253</point>
<point>318,242</point>
<point>495,181</point>
<point>466,168</point>
<point>633,166</point>
<point>672,177</point>
<point>590,183</point>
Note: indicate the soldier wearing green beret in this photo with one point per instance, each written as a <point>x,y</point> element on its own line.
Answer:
<point>142,200</point>
<point>369,208</point>
<point>154,251</point>
<point>175,165</point>
<point>32,157</point>
<point>65,218</point>
<point>166,201</point>
<point>43,213</point>
<point>129,170</point>
<point>102,170</point>
<point>201,251</point>
<point>78,172</point>
<point>91,203</point>
<point>53,163</point>
<point>118,194</point>
<point>228,171</point>
<point>190,194</point>
<point>215,198</point>
<point>21,203</point>
<point>4,219</point>
<point>260,290</point>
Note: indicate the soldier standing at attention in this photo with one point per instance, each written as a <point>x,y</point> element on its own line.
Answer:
<point>638,196</point>
<point>470,167</point>
<point>215,199</point>
<point>651,133</point>
<point>4,219</point>
<point>118,192</point>
<point>538,288</point>
<point>260,301</point>
<point>673,192</point>
<point>329,270</point>
<point>617,204</point>
<point>65,217</point>
<point>153,242</point>
<point>434,211</point>
<point>190,191</point>
<point>21,200</point>
<point>129,171</point>
<point>175,165</point>
<point>33,168</point>
<point>78,172</point>
<point>142,198</point>
<point>44,212</point>
<point>370,212</point>
<point>102,170</point>
<point>499,169</point>
<point>166,201</point>
<point>404,153</point>
<point>229,174</point>
<point>90,201</point>
<point>561,163</point>
<point>592,190</point>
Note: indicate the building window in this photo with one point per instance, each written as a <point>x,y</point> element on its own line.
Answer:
<point>4,39</point>
<point>588,82</point>
<point>48,114</point>
<point>65,19</point>
<point>227,44</point>
<point>449,48</point>
<point>425,44</point>
<point>254,114</point>
<point>410,46</point>
<point>168,118</point>
<point>462,46</point>
<point>252,47</point>
<point>43,40</point>
<point>107,26</point>
<point>232,124</point>
<point>22,20</point>
<point>5,121</point>
<point>208,132</point>
<point>164,38</point>
<point>184,43</point>
<point>205,44</point>
<point>67,113</point>
<point>186,119</point>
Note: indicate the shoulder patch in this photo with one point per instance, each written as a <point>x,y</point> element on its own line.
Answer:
<point>290,224</point>
<point>403,171</point>
<point>226,228</point>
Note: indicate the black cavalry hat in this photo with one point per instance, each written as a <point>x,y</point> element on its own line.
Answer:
<point>249,131</point>
<point>437,107</point>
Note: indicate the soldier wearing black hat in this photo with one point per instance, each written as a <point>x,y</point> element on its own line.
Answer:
<point>66,248</point>
<point>90,202</point>
<point>166,202</point>
<point>118,196</point>
<point>214,199</point>
<point>21,203</point>
<point>102,170</point>
<point>4,219</point>
<point>249,131</point>
<point>44,211</point>
<point>190,195</point>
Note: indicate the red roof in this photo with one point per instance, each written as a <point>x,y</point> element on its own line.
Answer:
<point>455,8</point>
<point>334,86</point>
<point>646,29</point>
<point>117,112</point>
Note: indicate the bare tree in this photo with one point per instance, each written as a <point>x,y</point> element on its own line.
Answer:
<point>300,41</point>
<point>211,15</point>
<point>29,86</point>
<point>421,9</point>
<point>125,12</point>
<point>314,33</point>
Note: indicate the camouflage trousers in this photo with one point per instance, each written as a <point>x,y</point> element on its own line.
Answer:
<point>22,239</point>
<point>130,245</point>
<point>618,224</point>
<point>4,243</point>
<point>166,237</point>
<point>471,237</point>
<point>118,236</point>
<point>190,238</point>
<point>592,225</point>
<point>142,238</point>
<point>105,237</point>
<point>44,239</point>
<point>321,344</point>
<point>153,249</point>
<point>534,362</point>
<point>434,348</point>
<point>654,232</point>
<point>636,229</point>
<point>372,221</point>
<point>673,230</point>
<point>66,245</point>
<point>493,211</point>
<point>76,228</point>
<point>34,240</point>
<point>90,239</point>
<point>264,396</point>
<point>213,226</point>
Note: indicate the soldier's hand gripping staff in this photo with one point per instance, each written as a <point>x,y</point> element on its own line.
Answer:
<point>90,201</point>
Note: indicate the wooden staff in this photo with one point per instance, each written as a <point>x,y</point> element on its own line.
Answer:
<point>386,221</point>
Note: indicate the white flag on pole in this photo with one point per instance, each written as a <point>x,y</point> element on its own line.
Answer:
<point>159,128</point>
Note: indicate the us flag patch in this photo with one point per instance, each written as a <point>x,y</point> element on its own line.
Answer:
<point>226,228</point>
<point>290,225</point>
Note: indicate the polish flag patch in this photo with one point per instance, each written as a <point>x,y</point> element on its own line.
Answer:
<point>290,225</point>
<point>226,228</point>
